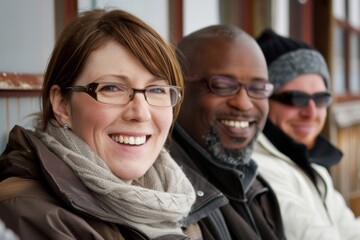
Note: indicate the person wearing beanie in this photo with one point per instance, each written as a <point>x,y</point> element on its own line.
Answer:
<point>291,153</point>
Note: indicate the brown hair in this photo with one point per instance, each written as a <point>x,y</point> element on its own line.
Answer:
<point>92,29</point>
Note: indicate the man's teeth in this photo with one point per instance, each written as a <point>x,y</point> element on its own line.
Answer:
<point>236,124</point>
<point>129,140</point>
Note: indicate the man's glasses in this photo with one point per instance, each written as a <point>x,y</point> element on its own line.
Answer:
<point>120,94</point>
<point>225,86</point>
<point>301,99</point>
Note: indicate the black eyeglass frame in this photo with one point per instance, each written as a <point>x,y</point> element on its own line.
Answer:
<point>90,89</point>
<point>321,99</point>
<point>209,80</point>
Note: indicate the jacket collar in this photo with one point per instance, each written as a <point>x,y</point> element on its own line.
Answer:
<point>323,153</point>
<point>234,183</point>
<point>66,184</point>
<point>39,162</point>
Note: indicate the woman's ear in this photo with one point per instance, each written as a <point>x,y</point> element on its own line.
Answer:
<point>60,106</point>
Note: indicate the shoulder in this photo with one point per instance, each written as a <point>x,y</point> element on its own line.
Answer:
<point>270,160</point>
<point>21,197</point>
<point>15,187</point>
<point>28,208</point>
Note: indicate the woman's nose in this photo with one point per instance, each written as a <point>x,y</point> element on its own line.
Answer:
<point>137,109</point>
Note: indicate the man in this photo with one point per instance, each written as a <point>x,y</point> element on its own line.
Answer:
<point>291,154</point>
<point>224,109</point>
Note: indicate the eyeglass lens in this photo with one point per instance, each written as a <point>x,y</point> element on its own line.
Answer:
<point>225,86</point>
<point>301,99</point>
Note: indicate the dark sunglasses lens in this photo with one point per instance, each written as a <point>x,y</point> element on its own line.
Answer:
<point>299,99</point>
<point>322,99</point>
<point>291,98</point>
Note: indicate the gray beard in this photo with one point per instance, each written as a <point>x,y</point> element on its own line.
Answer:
<point>225,156</point>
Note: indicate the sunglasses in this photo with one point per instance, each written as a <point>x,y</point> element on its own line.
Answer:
<point>301,99</point>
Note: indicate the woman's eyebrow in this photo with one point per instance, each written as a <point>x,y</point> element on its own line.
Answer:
<point>127,80</point>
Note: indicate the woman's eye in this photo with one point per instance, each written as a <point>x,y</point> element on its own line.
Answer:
<point>111,88</point>
<point>157,90</point>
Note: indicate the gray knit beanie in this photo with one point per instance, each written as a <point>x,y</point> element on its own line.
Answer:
<point>288,58</point>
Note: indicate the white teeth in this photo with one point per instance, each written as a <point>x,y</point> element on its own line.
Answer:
<point>236,124</point>
<point>131,140</point>
<point>139,141</point>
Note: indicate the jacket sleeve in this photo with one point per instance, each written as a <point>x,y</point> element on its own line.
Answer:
<point>32,214</point>
<point>302,210</point>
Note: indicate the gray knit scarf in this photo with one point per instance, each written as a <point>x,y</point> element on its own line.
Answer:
<point>153,204</point>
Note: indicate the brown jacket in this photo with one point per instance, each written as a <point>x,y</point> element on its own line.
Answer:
<point>231,203</point>
<point>41,198</point>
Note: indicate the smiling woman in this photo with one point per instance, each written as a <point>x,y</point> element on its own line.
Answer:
<point>96,159</point>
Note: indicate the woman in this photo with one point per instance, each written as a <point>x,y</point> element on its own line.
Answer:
<point>95,167</point>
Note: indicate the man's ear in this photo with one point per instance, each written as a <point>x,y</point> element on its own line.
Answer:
<point>60,106</point>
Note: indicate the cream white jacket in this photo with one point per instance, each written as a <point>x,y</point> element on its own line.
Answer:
<point>307,213</point>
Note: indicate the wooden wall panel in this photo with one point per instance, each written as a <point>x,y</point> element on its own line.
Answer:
<point>346,173</point>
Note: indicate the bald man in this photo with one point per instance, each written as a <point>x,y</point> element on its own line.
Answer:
<point>225,108</point>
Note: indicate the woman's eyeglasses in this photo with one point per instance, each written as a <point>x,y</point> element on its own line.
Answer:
<point>120,94</point>
<point>225,86</point>
<point>301,99</point>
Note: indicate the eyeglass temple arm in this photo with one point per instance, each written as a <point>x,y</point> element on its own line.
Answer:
<point>89,89</point>
<point>79,89</point>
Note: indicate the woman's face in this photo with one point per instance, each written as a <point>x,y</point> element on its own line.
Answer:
<point>99,124</point>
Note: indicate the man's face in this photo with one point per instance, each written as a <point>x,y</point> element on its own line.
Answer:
<point>303,124</point>
<point>225,125</point>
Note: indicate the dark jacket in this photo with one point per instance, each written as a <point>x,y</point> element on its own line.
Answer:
<point>41,198</point>
<point>231,203</point>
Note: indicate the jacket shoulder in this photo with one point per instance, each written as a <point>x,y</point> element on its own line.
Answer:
<point>29,210</point>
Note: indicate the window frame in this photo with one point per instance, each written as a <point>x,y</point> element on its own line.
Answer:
<point>65,11</point>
